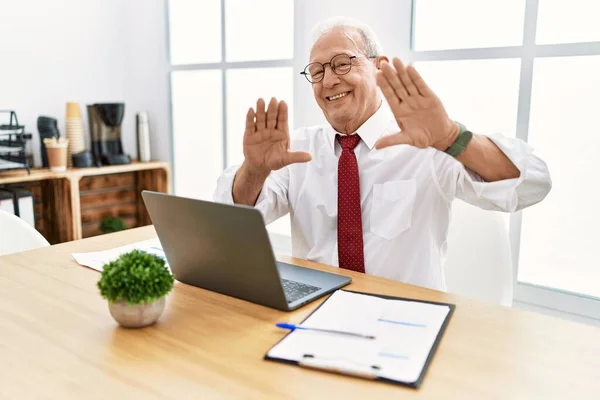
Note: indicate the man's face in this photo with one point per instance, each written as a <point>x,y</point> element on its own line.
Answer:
<point>358,88</point>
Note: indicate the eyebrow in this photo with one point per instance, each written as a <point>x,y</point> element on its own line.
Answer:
<point>336,54</point>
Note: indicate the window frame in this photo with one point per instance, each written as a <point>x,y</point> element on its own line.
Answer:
<point>526,294</point>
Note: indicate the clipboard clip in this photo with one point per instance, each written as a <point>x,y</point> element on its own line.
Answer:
<point>340,366</point>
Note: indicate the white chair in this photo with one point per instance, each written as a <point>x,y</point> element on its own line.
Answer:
<point>16,235</point>
<point>478,260</point>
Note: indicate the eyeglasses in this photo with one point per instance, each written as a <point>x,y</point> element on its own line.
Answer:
<point>340,65</point>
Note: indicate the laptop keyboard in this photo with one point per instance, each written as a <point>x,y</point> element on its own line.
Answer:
<point>296,290</point>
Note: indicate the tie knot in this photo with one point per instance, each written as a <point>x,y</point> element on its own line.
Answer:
<point>348,141</point>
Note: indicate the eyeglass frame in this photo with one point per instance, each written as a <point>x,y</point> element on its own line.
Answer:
<point>306,74</point>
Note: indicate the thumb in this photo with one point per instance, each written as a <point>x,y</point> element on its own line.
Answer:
<point>293,157</point>
<point>393,140</point>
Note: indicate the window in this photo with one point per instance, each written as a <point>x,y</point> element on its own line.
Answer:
<point>197,131</point>
<point>451,24</point>
<point>568,21</point>
<point>483,92</point>
<point>190,20</point>
<point>559,237</point>
<point>541,85</point>
<point>250,27</point>
<point>221,54</point>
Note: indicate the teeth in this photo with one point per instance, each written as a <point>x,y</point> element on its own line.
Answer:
<point>338,96</point>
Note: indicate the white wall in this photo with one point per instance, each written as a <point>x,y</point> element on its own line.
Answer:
<point>390,20</point>
<point>148,75</point>
<point>55,51</point>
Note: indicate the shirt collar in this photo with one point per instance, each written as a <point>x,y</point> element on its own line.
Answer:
<point>370,131</point>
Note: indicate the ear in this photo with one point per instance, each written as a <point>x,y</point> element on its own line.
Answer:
<point>379,60</point>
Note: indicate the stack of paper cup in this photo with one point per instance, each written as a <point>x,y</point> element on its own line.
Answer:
<point>74,131</point>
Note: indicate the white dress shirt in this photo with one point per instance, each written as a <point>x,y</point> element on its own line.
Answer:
<point>406,195</point>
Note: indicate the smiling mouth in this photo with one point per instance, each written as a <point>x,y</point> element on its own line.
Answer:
<point>337,96</point>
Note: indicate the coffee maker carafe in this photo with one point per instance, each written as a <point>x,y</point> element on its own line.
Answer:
<point>105,131</point>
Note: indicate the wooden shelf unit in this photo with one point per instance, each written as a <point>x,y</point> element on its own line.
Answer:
<point>71,205</point>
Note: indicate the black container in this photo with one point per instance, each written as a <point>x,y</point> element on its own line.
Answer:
<point>83,159</point>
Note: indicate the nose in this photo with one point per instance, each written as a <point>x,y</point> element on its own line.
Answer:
<point>330,79</point>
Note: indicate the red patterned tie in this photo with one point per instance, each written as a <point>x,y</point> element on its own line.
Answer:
<point>350,233</point>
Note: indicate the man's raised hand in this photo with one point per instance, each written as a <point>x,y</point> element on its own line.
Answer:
<point>267,138</point>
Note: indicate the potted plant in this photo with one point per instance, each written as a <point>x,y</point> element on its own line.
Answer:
<point>112,224</point>
<point>135,286</point>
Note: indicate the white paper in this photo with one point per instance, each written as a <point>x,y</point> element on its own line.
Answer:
<point>405,332</point>
<point>98,259</point>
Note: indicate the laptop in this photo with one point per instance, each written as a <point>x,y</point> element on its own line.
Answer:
<point>226,249</point>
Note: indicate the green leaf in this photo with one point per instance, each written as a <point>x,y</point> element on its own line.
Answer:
<point>135,277</point>
<point>112,224</point>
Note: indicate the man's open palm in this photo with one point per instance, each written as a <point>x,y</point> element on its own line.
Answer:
<point>267,138</point>
<point>418,111</point>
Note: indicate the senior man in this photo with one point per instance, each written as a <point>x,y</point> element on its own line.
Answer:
<point>372,191</point>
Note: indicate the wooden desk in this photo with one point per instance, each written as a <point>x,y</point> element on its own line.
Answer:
<point>57,340</point>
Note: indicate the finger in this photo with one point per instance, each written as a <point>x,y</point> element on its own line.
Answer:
<point>282,116</point>
<point>419,82</point>
<point>260,114</point>
<point>393,140</point>
<point>272,113</point>
<point>392,77</point>
<point>391,97</point>
<point>293,157</point>
<point>406,81</point>
<point>250,125</point>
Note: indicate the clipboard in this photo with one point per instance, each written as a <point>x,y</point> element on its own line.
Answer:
<point>365,371</point>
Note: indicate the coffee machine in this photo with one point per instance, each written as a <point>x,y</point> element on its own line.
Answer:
<point>105,131</point>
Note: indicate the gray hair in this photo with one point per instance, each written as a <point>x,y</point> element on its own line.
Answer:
<point>372,46</point>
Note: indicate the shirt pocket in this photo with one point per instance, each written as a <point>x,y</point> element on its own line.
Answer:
<point>392,208</point>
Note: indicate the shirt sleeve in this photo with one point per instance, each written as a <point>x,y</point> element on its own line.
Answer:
<point>272,201</point>
<point>454,180</point>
